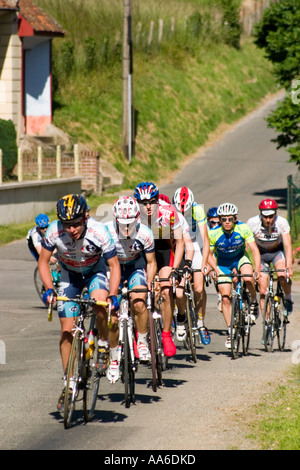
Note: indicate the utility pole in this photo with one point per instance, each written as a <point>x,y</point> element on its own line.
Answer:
<point>128,129</point>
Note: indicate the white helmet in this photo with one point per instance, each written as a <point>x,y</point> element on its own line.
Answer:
<point>183,199</point>
<point>227,209</point>
<point>126,210</point>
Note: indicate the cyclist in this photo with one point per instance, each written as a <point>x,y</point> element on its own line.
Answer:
<point>135,250</point>
<point>213,221</point>
<point>189,253</point>
<point>169,249</point>
<point>83,245</point>
<point>212,218</point>
<point>35,236</point>
<point>228,244</point>
<point>184,201</point>
<point>272,236</point>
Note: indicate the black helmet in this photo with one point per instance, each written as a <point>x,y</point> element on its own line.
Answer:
<point>71,207</point>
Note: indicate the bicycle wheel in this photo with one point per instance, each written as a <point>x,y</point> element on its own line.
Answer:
<point>190,338</point>
<point>128,369</point>
<point>235,327</point>
<point>246,327</point>
<point>152,341</point>
<point>281,321</point>
<point>268,323</point>
<point>39,284</point>
<point>74,377</point>
<point>161,359</point>
<point>92,379</point>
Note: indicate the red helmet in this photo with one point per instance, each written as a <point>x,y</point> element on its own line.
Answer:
<point>164,198</point>
<point>268,206</point>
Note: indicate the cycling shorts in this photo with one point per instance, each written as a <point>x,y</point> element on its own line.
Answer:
<point>268,258</point>
<point>226,266</point>
<point>134,276</point>
<point>71,284</point>
<point>164,254</point>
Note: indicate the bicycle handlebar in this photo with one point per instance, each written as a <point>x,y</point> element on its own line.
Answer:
<point>78,300</point>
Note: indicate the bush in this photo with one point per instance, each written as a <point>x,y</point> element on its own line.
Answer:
<point>8,139</point>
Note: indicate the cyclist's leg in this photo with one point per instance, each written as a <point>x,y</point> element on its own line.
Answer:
<point>245,267</point>
<point>137,279</point>
<point>279,263</point>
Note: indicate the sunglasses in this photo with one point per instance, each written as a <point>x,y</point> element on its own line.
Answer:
<point>150,201</point>
<point>213,222</point>
<point>73,224</point>
<point>225,219</point>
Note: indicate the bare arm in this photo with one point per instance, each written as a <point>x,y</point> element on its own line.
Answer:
<point>115,275</point>
<point>288,250</point>
<point>151,267</point>
<point>44,268</point>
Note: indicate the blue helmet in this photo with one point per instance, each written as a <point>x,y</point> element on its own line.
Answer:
<point>145,191</point>
<point>42,221</point>
<point>212,212</point>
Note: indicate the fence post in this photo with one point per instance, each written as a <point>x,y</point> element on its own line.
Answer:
<point>1,176</point>
<point>76,160</point>
<point>20,165</point>
<point>40,158</point>
<point>58,161</point>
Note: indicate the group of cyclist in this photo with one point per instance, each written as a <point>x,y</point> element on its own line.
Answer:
<point>152,238</point>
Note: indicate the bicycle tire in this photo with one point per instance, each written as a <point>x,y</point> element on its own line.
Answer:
<point>190,330</point>
<point>161,359</point>
<point>153,348</point>
<point>246,327</point>
<point>235,328</point>
<point>38,283</point>
<point>92,380</point>
<point>268,323</point>
<point>74,368</point>
<point>280,324</point>
<point>128,372</point>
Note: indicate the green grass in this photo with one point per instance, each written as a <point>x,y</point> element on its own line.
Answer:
<point>276,419</point>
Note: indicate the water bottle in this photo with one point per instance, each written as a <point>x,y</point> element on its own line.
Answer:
<point>90,345</point>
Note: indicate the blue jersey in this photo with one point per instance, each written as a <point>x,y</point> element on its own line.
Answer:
<point>230,245</point>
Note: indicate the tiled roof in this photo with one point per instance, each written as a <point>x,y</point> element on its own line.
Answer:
<point>38,19</point>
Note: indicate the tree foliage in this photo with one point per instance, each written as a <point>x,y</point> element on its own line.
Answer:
<point>278,33</point>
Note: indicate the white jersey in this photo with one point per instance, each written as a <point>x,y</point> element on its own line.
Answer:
<point>35,236</point>
<point>269,239</point>
<point>80,255</point>
<point>129,250</point>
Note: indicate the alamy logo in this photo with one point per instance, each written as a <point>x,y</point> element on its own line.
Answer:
<point>295,91</point>
<point>296,353</point>
<point>2,353</point>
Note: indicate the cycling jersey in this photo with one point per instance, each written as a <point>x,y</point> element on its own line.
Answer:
<point>82,255</point>
<point>195,219</point>
<point>270,238</point>
<point>232,245</point>
<point>34,238</point>
<point>164,222</point>
<point>129,250</point>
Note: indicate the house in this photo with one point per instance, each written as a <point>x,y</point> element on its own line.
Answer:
<point>26,34</point>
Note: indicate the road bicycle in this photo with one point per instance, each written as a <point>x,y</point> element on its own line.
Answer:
<point>40,288</point>
<point>158,359</point>
<point>82,372</point>
<point>240,323</point>
<point>275,319</point>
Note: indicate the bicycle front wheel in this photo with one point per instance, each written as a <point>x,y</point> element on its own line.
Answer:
<point>74,378</point>
<point>280,323</point>
<point>268,323</point>
<point>246,327</point>
<point>153,348</point>
<point>191,343</point>
<point>92,382</point>
<point>40,288</point>
<point>128,369</point>
<point>235,327</point>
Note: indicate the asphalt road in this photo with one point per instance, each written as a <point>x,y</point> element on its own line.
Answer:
<point>198,405</point>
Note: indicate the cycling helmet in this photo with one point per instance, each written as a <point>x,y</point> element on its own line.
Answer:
<point>212,212</point>
<point>42,221</point>
<point>145,191</point>
<point>227,209</point>
<point>183,199</point>
<point>268,207</point>
<point>126,210</point>
<point>164,198</point>
<point>71,207</point>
